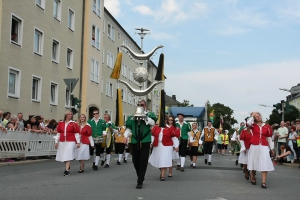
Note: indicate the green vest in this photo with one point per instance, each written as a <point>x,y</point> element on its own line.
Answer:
<point>184,130</point>
<point>133,126</point>
<point>97,129</point>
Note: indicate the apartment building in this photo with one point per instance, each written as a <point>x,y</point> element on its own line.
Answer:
<point>92,60</point>
<point>40,45</point>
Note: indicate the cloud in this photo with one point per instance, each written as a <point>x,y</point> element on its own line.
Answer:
<point>113,6</point>
<point>230,30</point>
<point>248,17</point>
<point>242,89</point>
<point>289,11</point>
<point>173,11</point>
<point>157,35</point>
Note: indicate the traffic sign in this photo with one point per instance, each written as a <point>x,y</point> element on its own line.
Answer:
<point>71,83</point>
<point>295,89</point>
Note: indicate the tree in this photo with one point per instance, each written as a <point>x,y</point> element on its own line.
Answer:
<point>220,109</point>
<point>185,103</point>
<point>276,118</point>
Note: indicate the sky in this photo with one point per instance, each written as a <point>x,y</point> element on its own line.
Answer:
<point>235,52</point>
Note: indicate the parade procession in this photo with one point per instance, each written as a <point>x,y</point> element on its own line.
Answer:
<point>168,99</point>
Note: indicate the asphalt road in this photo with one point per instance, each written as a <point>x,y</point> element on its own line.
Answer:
<point>222,180</point>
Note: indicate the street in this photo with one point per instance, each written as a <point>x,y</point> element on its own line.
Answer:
<point>222,180</point>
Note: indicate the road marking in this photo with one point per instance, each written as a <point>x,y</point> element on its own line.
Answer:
<point>218,198</point>
<point>140,198</point>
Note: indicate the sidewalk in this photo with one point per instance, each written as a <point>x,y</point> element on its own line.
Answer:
<point>291,164</point>
<point>24,162</point>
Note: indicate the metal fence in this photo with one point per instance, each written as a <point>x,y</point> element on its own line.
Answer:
<point>21,144</point>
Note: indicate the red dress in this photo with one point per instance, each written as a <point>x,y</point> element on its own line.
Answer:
<point>85,133</point>
<point>67,134</point>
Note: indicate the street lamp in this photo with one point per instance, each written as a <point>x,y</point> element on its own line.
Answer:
<point>265,105</point>
<point>143,32</point>
<point>287,90</point>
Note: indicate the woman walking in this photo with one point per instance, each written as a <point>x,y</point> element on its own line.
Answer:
<point>259,157</point>
<point>83,152</point>
<point>66,140</point>
<point>162,141</point>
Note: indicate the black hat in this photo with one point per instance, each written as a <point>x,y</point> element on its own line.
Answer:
<point>180,114</point>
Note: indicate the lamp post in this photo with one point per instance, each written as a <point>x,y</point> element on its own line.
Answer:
<point>265,105</point>
<point>143,32</point>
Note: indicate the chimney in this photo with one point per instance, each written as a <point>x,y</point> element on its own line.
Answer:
<point>174,97</point>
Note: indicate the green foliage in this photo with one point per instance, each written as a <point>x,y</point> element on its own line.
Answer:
<point>227,113</point>
<point>276,118</point>
<point>185,103</point>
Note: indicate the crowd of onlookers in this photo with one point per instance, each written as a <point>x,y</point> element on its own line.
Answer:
<point>34,123</point>
<point>286,136</point>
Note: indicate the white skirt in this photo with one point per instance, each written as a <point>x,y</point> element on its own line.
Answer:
<point>175,155</point>
<point>259,158</point>
<point>161,156</point>
<point>83,152</point>
<point>243,158</point>
<point>65,151</point>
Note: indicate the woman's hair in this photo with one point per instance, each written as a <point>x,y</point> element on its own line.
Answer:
<point>66,114</point>
<point>173,124</point>
<point>13,117</point>
<point>52,122</point>
<point>254,117</point>
<point>294,128</point>
<point>79,122</point>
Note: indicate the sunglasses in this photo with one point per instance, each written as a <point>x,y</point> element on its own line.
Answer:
<point>95,113</point>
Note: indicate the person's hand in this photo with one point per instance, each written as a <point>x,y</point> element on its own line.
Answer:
<point>151,145</point>
<point>55,145</point>
<point>272,152</point>
<point>78,145</point>
<point>245,151</point>
<point>176,149</point>
<point>125,140</point>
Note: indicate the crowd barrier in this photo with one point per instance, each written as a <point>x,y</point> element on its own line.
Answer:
<point>21,144</point>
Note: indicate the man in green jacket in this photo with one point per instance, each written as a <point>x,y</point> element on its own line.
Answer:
<point>98,131</point>
<point>140,142</point>
<point>185,128</point>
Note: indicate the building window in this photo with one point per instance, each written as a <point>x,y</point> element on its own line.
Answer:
<point>109,89</point>
<point>14,80</point>
<point>70,58</point>
<point>125,71</point>
<point>56,9</point>
<point>67,100</point>
<point>94,71</point>
<point>129,97</point>
<point>36,89</point>
<point>53,93</point>
<point>16,30</point>
<point>71,20</point>
<point>93,35</point>
<point>97,7</point>
<point>110,60</point>
<point>38,41</point>
<point>55,51</point>
<point>94,5</point>
<point>119,35</point>
<point>102,85</point>
<point>98,39</point>
<point>123,95</point>
<point>40,3</point>
<point>103,55</point>
<point>111,31</point>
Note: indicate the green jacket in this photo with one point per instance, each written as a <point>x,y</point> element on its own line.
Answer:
<point>184,130</point>
<point>97,129</point>
<point>132,125</point>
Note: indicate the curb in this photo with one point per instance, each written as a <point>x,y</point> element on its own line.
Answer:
<point>26,162</point>
<point>294,165</point>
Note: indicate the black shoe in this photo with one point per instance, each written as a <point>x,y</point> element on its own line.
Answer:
<point>241,165</point>
<point>80,171</point>
<point>106,166</point>
<point>205,161</point>
<point>67,173</point>
<point>182,169</point>
<point>178,167</point>
<point>209,163</point>
<point>194,167</point>
<point>191,165</point>
<point>125,161</point>
<point>95,167</point>
<point>236,162</point>
<point>118,163</point>
<point>102,162</point>
<point>139,186</point>
<point>264,186</point>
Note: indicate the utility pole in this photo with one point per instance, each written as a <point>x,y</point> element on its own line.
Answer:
<point>282,110</point>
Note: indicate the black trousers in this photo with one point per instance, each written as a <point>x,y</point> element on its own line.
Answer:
<point>97,147</point>
<point>182,148</point>
<point>119,148</point>
<point>194,151</point>
<point>140,160</point>
<point>208,146</point>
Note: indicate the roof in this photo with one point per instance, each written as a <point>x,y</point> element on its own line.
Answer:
<point>188,111</point>
<point>170,101</point>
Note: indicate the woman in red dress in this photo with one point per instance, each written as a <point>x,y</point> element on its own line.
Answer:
<point>83,152</point>
<point>66,140</point>
<point>260,145</point>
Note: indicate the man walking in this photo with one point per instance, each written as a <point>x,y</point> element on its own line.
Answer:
<point>185,128</point>
<point>208,133</point>
<point>140,141</point>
